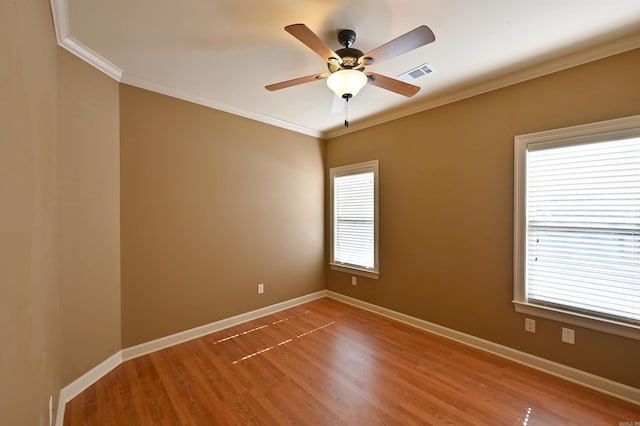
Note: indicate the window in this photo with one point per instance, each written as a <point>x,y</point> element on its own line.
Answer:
<point>354,218</point>
<point>577,225</point>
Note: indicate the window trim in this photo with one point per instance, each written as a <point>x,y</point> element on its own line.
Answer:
<point>601,131</point>
<point>367,166</point>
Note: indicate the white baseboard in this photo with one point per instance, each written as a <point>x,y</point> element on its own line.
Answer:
<point>83,382</point>
<point>580,377</point>
<point>194,333</point>
<point>592,381</point>
<point>69,392</point>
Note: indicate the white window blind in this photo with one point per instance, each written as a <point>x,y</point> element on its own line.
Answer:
<point>583,228</point>
<point>354,236</point>
<point>354,204</point>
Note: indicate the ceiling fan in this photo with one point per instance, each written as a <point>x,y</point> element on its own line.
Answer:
<point>347,74</point>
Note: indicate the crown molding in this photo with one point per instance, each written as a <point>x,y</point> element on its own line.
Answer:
<point>60,14</point>
<point>563,62</point>
<point>143,83</point>
<point>83,52</point>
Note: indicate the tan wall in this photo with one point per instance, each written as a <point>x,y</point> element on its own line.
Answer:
<point>29,313</point>
<point>89,190</point>
<point>213,204</point>
<point>446,209</point>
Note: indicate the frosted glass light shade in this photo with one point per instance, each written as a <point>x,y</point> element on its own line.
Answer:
<point>346,82</point>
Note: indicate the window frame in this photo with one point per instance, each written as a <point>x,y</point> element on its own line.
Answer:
<point>593,132</point>
<point>350,169</point>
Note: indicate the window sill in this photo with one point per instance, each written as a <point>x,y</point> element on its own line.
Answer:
<point>586,321</point>
<point>355,271</point>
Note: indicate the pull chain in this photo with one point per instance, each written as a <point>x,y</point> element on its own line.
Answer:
<point>346,112</point>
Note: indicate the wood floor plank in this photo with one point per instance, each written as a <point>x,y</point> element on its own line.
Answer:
<point>327,363</point>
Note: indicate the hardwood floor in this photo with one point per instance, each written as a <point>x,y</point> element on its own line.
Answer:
<point>327,363</point>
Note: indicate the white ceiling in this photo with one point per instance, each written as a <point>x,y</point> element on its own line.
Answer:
<point>221,53</point>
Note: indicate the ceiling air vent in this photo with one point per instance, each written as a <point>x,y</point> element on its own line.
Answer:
<point>416,73</point>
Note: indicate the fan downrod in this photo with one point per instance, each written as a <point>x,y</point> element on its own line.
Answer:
<point>347,38</point>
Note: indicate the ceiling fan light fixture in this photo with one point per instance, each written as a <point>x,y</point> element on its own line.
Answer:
<point>346,83</point>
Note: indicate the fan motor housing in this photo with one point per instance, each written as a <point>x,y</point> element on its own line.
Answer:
<point>348,55</point>
<point>349,58</point>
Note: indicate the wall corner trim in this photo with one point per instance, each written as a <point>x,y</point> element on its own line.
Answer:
<point>70,391</point>
<point>583,378</point>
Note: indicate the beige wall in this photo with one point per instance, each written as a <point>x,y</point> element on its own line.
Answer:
<point>446,209</point>
<point>89,191</point>
<point>212,204</point>
<point>29,312</point>
<point>201,205</point>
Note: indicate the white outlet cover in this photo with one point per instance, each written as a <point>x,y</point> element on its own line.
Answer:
<point>568,335</point>
<point>530,325</point>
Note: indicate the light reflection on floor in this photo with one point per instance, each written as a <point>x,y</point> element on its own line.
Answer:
<point>242,334</point>
<point>244,358</point>
<point>284,342</point>
<point>257,328</point>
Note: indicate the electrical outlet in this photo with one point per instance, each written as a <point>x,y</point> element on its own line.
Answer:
<point>260,288</point>
<point>530,325</point>
<point>354,280</point>
<point>568,336</point>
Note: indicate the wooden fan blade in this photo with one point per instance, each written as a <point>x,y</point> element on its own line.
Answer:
<point>409,41</point>
<point>311,40</point>
<point>392,84</point>
<point>296,81</point>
